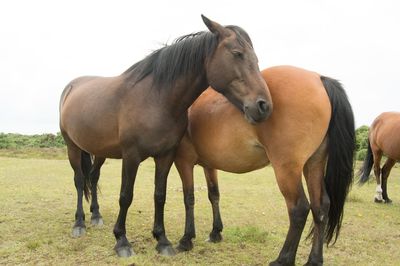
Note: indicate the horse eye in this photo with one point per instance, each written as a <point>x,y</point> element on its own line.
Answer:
<point>237,54</point>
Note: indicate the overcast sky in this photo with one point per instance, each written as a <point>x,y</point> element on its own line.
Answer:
<point>45,44</point>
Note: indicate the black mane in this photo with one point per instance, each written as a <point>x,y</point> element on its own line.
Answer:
<point>185,56</point>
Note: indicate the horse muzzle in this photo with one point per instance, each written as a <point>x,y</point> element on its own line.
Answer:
<point>258,111</point>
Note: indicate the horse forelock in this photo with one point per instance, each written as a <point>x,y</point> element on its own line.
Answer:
<point>241,35</point>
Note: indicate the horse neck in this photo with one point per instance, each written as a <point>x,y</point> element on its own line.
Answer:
<point>185,92</point>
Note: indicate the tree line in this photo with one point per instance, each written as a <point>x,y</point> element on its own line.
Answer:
<point>19,141</point>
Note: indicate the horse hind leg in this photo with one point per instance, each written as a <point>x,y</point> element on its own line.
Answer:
<point>75,156</point>
<point>185,169</point>
<point>289,181</point>
<point>96,218</point>
<point>213,195</point>
<point>377,172</point>
<point>387,167</point>
<point>185,159</point>
<point>314,174</point>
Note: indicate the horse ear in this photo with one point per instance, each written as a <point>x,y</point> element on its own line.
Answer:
<point>214,27</point>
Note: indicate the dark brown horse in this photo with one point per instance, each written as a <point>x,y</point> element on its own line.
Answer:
<point>383,139</point>
<point>143,113</point>
<point>310,131</point>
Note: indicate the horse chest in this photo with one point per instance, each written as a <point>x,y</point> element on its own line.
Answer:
<point>156,137</point>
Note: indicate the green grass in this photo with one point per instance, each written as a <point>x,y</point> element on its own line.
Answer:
<point>37,205</point>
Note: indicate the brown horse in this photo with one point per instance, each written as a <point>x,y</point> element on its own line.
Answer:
<point>310,131</point>
<point>143,113</point>
<point>383,139</point>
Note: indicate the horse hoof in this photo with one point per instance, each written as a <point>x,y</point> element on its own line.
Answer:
<point>166,250</point>
<point>275,263</point>
<point>184,245</point>
<point>78,231</point>
<point>313,263</point>
<point>378,200</point>
<point>97,221</point>
<point>388,201</point>
<point>125,252</point>
<point>214,238</point>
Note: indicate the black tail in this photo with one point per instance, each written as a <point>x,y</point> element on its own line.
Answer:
<point>86,164</point>
<point>339,169</point>
<point>365,170</point>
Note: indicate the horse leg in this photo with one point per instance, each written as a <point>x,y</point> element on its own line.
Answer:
<point>314,173</point>
<point>130,164</point>
<point>163,165</point>
<point>387,167</point>
<point>185,170</point>
<point>289,182</point>
<point>74,156</point>
<point>96,218</point>
<point>377,172</point>
<point>213,196</point>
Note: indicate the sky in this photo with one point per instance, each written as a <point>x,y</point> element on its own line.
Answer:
<point>45,44</point>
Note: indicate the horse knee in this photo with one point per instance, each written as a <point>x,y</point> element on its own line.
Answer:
<point>213,194</point>
<point>159,198</point>
<point>125,200</point>
<point>189,199</point>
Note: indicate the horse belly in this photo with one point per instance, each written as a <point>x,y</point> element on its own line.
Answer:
<point>392,149</point>
<point>95,141</point>
<point>238,157</point>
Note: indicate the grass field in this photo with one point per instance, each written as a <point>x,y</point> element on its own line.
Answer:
<point>37,205</point>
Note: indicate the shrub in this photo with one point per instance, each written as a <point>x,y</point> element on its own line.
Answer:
<point>360,156</point>
<point>18,141</point>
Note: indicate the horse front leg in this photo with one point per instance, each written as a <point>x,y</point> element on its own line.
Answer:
<point>163,165</point>
<point>130,164</point>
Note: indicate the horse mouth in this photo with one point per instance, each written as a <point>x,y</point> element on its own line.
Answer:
<point>250,119</point>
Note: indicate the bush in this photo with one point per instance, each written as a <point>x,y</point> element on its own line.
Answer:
<point>360,156</point>
<point>18,141</point>
<point>362,138</point>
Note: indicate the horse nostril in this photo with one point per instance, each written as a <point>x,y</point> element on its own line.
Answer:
<point>262,106</point>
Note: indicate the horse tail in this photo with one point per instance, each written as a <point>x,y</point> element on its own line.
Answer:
<point>341,147</point>
<point>86,164</point>
<point>366,168</point>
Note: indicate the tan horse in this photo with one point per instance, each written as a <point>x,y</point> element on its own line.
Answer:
<point>383,139</point>
<point>143,113</point>
<point>310,131</point>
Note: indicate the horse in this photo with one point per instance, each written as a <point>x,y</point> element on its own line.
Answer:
<point>143,113</point>
<point>382,140</point>
<point>310,130</point>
